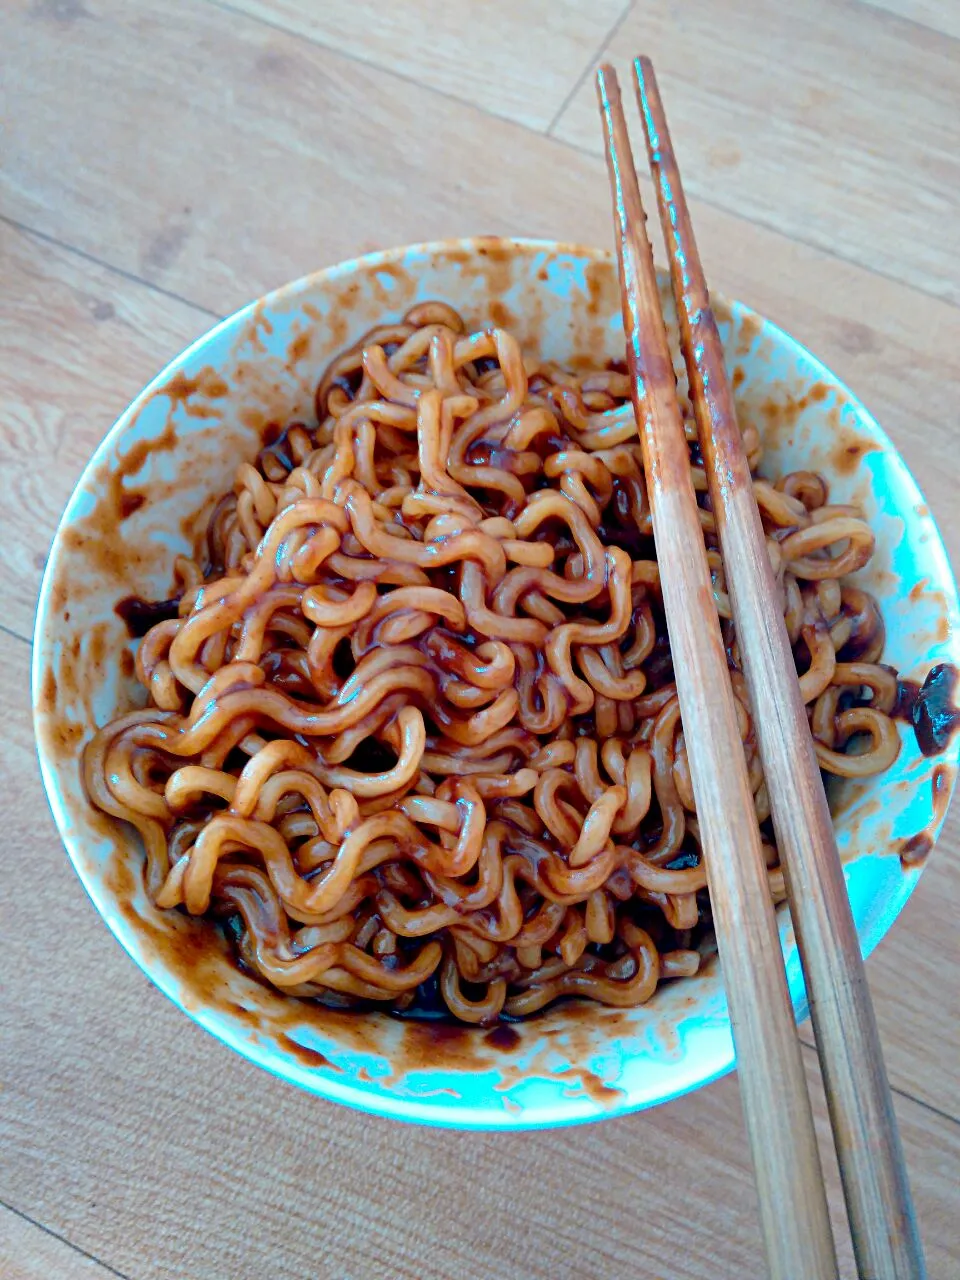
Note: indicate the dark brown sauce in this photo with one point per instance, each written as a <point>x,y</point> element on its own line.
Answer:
<point>849,452</point>
<point>276,443</point>
<point>595,1088</point>
<point>866,626</point>
<point>239,1010</point>
<point>445,1029</point>
<point>940,784</point>
<point>496,265</point>
<point>501,315</point>
<point>131,502</point>
<point>595,274</point>
<point>502,1036</point>
<point>908,691</point>
<point>202,957</point>
<point>140,615</point>
<point>298,348</point>
<point>270,433</point>
<point>304,1055</point>
<point>67,737</point>
<point>48,691</point>
<point>935,715</point>
<point>751,327</point>
<point>136,456</point>
<point>206,384</point>
<point>199,955</point>
<point>914,852</point>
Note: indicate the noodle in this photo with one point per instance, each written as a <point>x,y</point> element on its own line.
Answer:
<point>413,737</point>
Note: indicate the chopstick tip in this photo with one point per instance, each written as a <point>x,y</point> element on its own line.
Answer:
<point>608,86</point>
<point>646,79</point>
<point>651,109</point>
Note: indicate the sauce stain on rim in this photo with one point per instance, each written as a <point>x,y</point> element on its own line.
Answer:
<point>199,959</point>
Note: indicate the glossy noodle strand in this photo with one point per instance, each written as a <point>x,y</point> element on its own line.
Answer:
<point>413,738</point>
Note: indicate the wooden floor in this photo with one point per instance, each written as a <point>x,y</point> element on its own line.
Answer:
<point>164,161</point>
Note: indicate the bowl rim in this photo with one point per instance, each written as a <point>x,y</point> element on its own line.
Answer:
<point>259,1050</point>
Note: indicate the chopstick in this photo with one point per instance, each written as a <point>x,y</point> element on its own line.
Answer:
<point>885,1236</point>
<point>779,1122</point>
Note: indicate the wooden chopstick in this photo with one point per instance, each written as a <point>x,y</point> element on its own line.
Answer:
<point>776,1105</point>
<point>885,1237</point>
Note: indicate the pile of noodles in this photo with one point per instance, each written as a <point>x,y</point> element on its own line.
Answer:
<point>412,735</point>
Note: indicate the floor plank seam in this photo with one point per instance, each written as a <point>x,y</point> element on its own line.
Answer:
<point>84,1253</point>
<point>927,1106</point>
<point>85,254</point>
<point>147,284</point>
<point>888,15</point>
<point>594,59</point>
<point>811,1047</point>
<point>832,254</point>
<point>752,220</point>
<point>15,635</point>
<point>357,61</point>
<point>82,326</point>
<point>132,276</point>
<point>226,7</point>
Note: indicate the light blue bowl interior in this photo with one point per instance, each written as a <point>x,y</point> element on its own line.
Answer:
<point>577,1062</point>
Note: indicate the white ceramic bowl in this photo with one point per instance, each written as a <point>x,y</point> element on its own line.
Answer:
<point>177,446</point>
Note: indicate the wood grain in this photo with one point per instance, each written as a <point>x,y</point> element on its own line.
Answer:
<point>79,372</point>
<point>831,122</point>
<point>875,1184</point>
<point>912,975</point>
<point>27,1252</point>
<point>73,171</point>
<point>79,342</point>
<point>362,160</point>
<point>73,166</point>
<point>942,16</point>
<point>138,1137</point>
<point>214,156</point>
<point>479,54</point>
<point>773,1092</point>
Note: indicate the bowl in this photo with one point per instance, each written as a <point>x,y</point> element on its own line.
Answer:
<point>147,493</point>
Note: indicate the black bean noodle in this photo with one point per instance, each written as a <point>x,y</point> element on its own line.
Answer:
<point>412,733</point>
